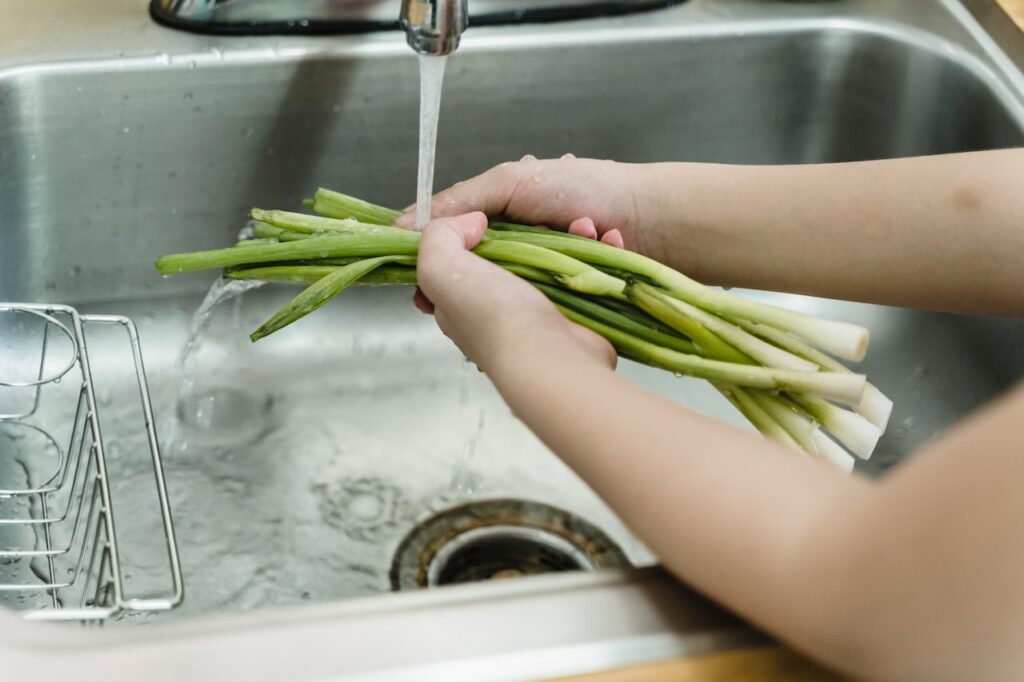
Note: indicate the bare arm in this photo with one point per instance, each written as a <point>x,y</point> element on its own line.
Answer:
<point>940,232</point>
<point>914,578</point>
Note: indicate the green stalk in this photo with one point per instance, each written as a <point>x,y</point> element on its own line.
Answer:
<point>758,350</point>
<point>874,406</point>
<point>337,205</point>
<point>313,224</point>
<point>826,384</point>
<point>309,274</point>
<point>841,338</point>
<point>596,311</point>
<point>792,344</point>
<point>756,415</point>
<point>796,425</point>
<point>803,430</point>
<point>659,305</point>
<point>317,294</point>
<point>529,273</point>
<point>259,241</point>
<point>858,434</point>
<point>398,242</point>
<point>265,231</point>
<point>569,272</point>
<point>637,315</point>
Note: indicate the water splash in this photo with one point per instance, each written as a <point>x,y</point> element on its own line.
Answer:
<point>221,291</point>
<point>206,409</point>
<point>466,482</point>
<point>431,82</point>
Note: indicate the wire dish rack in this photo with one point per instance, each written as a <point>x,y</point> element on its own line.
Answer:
<point>59,552</point>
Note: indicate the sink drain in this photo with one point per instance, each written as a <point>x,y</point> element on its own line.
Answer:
<point>499,539</point>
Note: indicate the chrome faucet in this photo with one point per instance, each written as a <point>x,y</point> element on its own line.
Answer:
<point>434,27</point>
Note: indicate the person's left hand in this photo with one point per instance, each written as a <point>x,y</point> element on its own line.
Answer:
<point>497,319</point>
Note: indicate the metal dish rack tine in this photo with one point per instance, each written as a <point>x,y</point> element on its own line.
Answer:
<point>70,508</point>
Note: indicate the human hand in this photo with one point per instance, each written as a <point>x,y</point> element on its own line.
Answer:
<point>499,321</point>
<point>587,197</point>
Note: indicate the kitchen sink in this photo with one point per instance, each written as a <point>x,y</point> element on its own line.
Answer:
<point>298,465</point>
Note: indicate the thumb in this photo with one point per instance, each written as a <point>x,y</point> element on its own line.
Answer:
<point>489,192</point>
<point>445,242</point>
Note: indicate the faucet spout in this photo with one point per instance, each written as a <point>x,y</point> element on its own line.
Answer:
<point>434,27</point>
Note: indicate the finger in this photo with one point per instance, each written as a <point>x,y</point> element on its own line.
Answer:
<point>444,242</point>
<point>596,344</point>
<point>583,227</point>
<point>613,238</point>
<point>422,303</point>
<point>488,192</point>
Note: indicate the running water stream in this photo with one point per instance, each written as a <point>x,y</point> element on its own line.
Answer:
<point>431,80</point>
<point>205,407</point>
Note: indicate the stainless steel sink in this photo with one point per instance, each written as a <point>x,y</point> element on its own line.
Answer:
<point>296,466</point>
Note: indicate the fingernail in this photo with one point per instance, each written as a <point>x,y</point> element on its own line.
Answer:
<point>528,157</point>
<point>406,220</point>
<point>568,155</point>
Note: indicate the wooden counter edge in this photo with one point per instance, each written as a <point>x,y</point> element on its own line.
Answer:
<point>1015,8</point>
<point>760,664</point>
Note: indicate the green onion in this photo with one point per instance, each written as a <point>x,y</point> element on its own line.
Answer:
<point>320,292</point>
<point>767,361</point>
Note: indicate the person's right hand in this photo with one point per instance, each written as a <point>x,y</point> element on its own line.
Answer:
<point>588,197</point>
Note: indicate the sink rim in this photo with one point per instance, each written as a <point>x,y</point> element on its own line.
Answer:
<point>25,644</point>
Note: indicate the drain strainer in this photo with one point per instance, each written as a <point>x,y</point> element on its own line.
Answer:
<point>498,539</point>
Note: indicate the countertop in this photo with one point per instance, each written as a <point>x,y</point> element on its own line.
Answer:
<point>1015,8</point>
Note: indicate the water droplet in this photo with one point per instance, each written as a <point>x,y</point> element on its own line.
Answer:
<point>189,95</point>
<point>192,64</point>
<point>336,108</point>
<point>217,54</point>
<point>125,130</point>
<point>247,132</point>
<point>164,58</point>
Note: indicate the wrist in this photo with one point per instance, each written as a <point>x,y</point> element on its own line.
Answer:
<point>682,232</point>
<point>545,353</point>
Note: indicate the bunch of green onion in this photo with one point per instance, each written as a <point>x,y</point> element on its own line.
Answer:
<point>774,365</point>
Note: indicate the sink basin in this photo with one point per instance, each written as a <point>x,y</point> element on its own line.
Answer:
<point>296,466</point>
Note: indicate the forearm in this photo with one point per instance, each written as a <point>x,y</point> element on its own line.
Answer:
<point>726,510</point>
<point>941,232</point>
<point>839,567</point>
